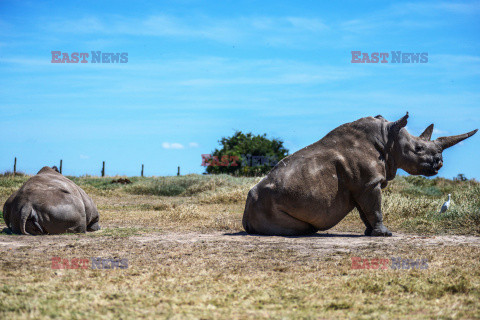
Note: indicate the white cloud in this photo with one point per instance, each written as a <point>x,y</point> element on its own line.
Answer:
<point>438,131</point>
<point>27,61</point>
<point>414,15</point>
<point>258,29</point>
<point>426,8</point>
<point>173,145</point>
<point>82,156</point>
<point>176,145</point>
<point>307,24</point>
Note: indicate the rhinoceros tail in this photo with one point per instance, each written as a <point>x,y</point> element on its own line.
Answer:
<point>28,213</point>
<point>24,215</point>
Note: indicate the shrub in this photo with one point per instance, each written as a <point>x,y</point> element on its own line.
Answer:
<point>247,148</point>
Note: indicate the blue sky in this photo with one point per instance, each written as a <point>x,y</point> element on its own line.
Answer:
<point>199,70</point>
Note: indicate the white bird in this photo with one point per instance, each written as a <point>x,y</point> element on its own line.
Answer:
<point>446,205</point>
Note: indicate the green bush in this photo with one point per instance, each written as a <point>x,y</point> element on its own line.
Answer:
<point>245,148</point>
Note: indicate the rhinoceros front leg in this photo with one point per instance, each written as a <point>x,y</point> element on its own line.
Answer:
<point>369,229</point>
<point>369,205</point>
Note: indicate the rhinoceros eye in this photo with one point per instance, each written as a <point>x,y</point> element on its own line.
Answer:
<point>419,148</point>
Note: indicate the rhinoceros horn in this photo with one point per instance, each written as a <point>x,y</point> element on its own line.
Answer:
<point>399,124</point>
<point>447,142</point>
<point>427,134</point>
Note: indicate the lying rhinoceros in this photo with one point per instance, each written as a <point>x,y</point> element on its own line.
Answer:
<point>49,203</point>
<point>317,186</point>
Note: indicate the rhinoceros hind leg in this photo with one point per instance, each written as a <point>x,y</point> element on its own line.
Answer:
<point>7,230</point>
<point>276,223</point>
<point>93,227</point>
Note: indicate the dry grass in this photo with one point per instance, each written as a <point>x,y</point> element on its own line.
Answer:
<point>188,258</point>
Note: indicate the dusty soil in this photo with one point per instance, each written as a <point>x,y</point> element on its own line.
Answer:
<point>318,243</point>
<point>232,275</point>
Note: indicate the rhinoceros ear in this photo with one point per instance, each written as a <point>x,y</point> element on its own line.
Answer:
<point>397,125</point>
<point>427,134</point>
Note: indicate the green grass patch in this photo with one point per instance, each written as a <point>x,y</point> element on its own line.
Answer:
<point>10,181</point>
<point>99,183</point>
<point>431,191</point>
<point>184,185</point>
<point>118,232</point>
<point>412,204</point>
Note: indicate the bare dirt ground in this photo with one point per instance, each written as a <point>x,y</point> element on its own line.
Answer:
<point>232,275</point>
<point>326,242</point>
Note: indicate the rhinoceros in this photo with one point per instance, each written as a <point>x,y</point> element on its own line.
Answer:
<point>49,203</point>
<point>316,187</point>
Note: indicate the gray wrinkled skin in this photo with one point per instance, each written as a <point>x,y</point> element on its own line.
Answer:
<point>49,203</point>
<point>316,187</point>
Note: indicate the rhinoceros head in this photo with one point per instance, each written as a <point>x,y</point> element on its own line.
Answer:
<point>420,155</point>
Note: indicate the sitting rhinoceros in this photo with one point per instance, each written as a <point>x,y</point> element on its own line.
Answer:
<point>49,203</point>
<point>316,187</point>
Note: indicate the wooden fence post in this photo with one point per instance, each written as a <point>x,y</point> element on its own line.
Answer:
<point>61,163</point>
<point>15,166</point>
<point>142,171</point>
<point>178,172</point>
<point>103,169</point>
